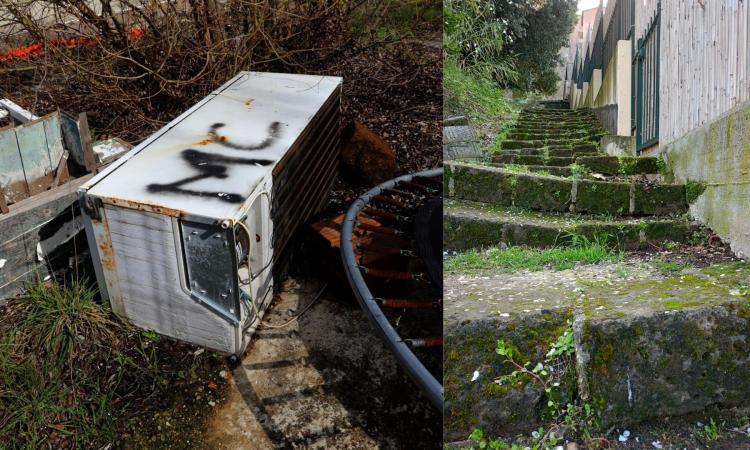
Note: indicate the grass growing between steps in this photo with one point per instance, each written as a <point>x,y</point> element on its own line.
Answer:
<point>513,259</point>
<point>73,376</point>
<point>522,168</point>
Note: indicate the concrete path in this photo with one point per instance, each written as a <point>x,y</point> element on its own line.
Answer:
<point>325,381</point>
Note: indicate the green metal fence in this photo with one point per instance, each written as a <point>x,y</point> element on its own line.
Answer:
<point>646,71</point>
<point>620,28</point>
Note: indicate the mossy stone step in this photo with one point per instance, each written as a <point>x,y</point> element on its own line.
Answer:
<point>553,113</point>
<point>553,105</point>
<point>558,171</point>
<point>557,113</point>
<point>557,130</point>
<point>501,187</point>
<point>525,136</point>
<point>547,132</point>
<point>623,165</point>
<point>475,225</point>
<point>505,158</point>
<point>647,344</point>
<point>575,144</point>
<point>557,151</point>
<point>534,122</point>
<point>563,120</point>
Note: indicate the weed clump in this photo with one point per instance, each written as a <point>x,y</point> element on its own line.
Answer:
<point>73,376</point>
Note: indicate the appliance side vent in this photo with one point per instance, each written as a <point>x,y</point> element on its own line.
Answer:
<point>301,186</point>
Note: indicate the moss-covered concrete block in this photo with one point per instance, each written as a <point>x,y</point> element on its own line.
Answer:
<point>506,157</point>
<point>602,197</point>
<point>470,346</point>
<point>505,188</point>
<point>545,193</point>
<point>462,231</point>
<point>679,345</point>
<point>660,199</point>
<point>558,171</point>
<point>612,165</point>
<point>526,135</point>
<point>648,345</point>
<point>668,364</point>
<point>558,161</point>
<point>573,144</point>
<point>562,152</point>
<point>476,225</point>
<point>481,184</point>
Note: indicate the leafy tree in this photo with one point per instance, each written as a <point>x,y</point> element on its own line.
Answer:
<point>547,26</point>
<point>474,38</point>
<point>513,42</point>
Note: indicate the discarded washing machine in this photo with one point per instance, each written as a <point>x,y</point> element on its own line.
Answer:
<point>185,229</point>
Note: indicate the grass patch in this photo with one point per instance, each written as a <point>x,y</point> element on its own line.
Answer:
<point>521,258</point>
<point>73,376</point>
<point>481,99</point>
<point>579,171</point>
<point>522,168</point>
<point>483,102</point>
<point>670,266</point>
<point>693,190</point>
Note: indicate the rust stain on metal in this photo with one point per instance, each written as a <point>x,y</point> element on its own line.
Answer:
<point>212,138</point>
<point>107,257</point>
<point>106,254</point>
<point>145,206</point>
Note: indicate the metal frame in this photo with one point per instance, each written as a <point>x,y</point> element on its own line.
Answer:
<point>620,27</point>
<point>646,67</point>
<point>212,251</point>
<point>413,366</point>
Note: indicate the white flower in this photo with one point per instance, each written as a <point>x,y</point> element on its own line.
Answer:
<point>475,377</point>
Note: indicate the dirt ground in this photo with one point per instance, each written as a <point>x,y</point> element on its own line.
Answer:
<point>677,433</point>
<point>325,381</point>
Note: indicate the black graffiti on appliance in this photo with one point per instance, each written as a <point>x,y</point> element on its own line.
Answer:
<point>212,165</point>
<point>274,130</point>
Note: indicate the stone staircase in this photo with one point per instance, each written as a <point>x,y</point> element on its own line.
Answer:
<point>551,168</point>
<point>648,343</point>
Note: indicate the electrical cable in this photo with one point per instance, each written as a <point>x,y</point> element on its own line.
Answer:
<point>250,300</point>
<point>304,310</point>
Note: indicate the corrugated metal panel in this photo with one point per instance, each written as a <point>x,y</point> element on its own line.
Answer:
<point>303,179</point>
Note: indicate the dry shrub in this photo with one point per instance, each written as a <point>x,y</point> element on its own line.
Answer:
<point>142,62</point>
